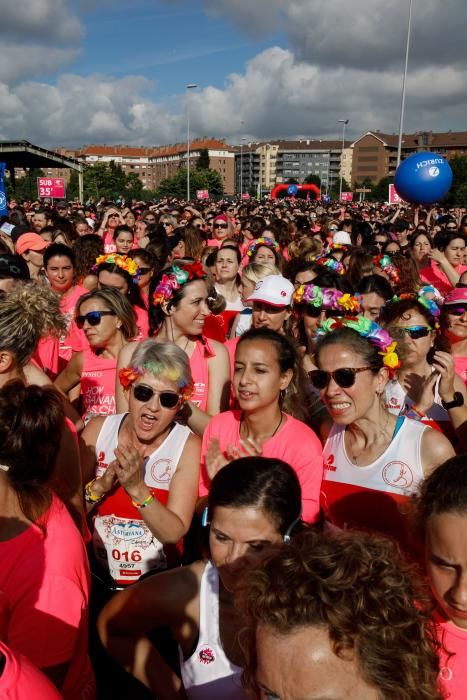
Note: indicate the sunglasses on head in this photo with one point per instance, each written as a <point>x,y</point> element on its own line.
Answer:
<point>416,332</point>
<point>93,318</point>
<point>144,393</point>
<point>456,310</point>
<point>220,226</point>
<point>344,377</point>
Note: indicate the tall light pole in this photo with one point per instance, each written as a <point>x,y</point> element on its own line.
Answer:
<point>401,120</point>
<point>344,123</point>
<point>241,167</point>
<point>190,86</point>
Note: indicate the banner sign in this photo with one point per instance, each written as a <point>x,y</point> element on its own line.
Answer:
<point>53,187</point>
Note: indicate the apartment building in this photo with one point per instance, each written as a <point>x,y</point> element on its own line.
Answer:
<point>375,153</point>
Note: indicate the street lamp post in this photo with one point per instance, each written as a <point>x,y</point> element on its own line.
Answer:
<point>190,86</point>
<point>401,120</point>
<point>344,123</point>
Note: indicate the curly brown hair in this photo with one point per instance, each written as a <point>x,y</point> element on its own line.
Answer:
<point>359,588</point>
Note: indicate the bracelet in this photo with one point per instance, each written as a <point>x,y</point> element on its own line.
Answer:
<point>414,413</point>
<point>89,496</point>
<point>144,503</point>
<point>419,411</point>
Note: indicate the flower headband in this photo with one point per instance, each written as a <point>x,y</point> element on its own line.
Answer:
<point>421,297</point>
<point>263,240</point>
<point>385,263</point>
<point>122,261</point>
<point>332,263</point>
<point>176,278</point>
<point>128,375</point>
<point>334,247</point>
<point>322,297</point>
<point>378,336</point>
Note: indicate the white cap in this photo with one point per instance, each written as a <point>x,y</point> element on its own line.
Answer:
<point>273,289</point>
<point>342,237</point>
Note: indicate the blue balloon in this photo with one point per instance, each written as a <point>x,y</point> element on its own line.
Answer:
<point>423,178</point>
<point>292,190</point>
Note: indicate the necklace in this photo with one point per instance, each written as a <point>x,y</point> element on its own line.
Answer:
<point>268,437</point>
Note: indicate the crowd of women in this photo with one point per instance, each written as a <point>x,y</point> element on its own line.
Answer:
<point>221,426</point>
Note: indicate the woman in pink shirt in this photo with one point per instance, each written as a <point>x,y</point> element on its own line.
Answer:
<point>44,576</point>
<point>267,379</point>
<point>447,261</point>
<point>442,508</point>
<point>108,321</point>
<point>454,324</point>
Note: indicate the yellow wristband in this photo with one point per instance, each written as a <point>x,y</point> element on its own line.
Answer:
<point>144,503</point>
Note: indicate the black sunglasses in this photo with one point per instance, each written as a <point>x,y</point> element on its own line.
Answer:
<point>145,270</point>
<point>417,331</point>
<point>315,311</point>
<point>144,393</point>
<point>220,226</point>
<point>456,310</point>
<point>344,377</point>
<point>93,318</point>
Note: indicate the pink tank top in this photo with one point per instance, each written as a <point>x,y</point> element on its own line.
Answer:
<point>199,370</point>
<point>98,385</point>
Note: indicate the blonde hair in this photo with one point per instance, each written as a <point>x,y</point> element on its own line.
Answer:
<point>163,359</point>
<point>118,303</point>
<point>306,249</point>
<point>27,313</point>
<point>254,272</point>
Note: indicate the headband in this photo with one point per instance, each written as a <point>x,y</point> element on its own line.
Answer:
<point>263,240</point>
<point>332,263</point>
<point>176,278</point>
<point>421,297</point>
<point>125,263</point>
<point>385,263</point>
<point>325,298</point>
<point>374,333</point>
<point>128,375</point>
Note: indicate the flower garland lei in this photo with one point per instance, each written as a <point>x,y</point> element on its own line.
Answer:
<point>325,298</point>
<point>385,263</point>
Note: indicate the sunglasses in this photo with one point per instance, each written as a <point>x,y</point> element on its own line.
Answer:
<point>451,228</point>
<point>220,226</point>
<point>456,310</point>
<point>144,393</point>
<point>316,311</point>
<point>145,270</point>
<point>166,223</point>
<point>416,332</point>
<point>333,228</point>
<point>93,318</point>
<point>344,377</point>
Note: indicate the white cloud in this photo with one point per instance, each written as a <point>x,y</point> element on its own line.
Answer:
<point>40,20</point>
<point>31,61</point>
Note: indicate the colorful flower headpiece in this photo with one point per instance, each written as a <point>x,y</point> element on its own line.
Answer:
<point>378,336</point>
<point>263,240</point>
<point>325,298</point>
<point>334,247</point>
<point>122,261</point>
<point>128,375</point>
<point>331,263</point>
<point>421,297</point>
<point>385,263</point>
<point>176,278</point>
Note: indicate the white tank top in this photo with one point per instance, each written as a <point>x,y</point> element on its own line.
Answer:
<point>373,497</point>
<point>123,544</point>
<point>208,674</point>
<point>396,401</point>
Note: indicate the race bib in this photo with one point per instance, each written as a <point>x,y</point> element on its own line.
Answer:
<point>126,548</point>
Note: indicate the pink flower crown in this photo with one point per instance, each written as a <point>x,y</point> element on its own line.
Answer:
<point>263,240</point>
<point>385,263</point>
<point>176,278</point>
<point>325,298</point>
<point>125,263</point>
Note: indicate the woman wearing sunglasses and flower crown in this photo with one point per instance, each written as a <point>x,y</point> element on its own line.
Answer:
<point>373,460</point>
<point>141,467</point>
<point>109,322</point>
<point>122,272</point>
<point>178,309</point>
<point>426,387</point>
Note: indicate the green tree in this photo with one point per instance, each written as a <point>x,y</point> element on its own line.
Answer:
<point>203,160</point>
<point>133,186</point>
<point>380,191</point>
<point>24,187</point>
<point>291,181</point>
<point>335,187</point>
<point>457,195</point>
<point>312,180</point>
<point>176,185</point>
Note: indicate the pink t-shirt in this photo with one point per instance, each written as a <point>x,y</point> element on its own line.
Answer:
<point>435,276</point>
<point>109,243</point>
<point>44,584</point>
<point>20,679</point>
<point>453,659</point>
<point>98,385</point>
<point>294,443</point>
<point>460,365</point>
<point>200,372</point>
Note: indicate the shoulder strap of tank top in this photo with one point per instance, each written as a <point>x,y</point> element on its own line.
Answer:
<point>209,593</point>
<point>399,423</point>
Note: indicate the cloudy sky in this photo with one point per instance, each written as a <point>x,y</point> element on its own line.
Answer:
<point>114,71</point>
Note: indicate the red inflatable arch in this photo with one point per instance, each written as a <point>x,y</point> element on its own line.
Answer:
<point>300,188</point>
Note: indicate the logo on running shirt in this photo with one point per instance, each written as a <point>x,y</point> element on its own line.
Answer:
<point>161,471</point>
<point>445,674</point>
<point>329,464</point>
<point>127,531</point>
<point>398,475</point>
<point>206,655</point>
